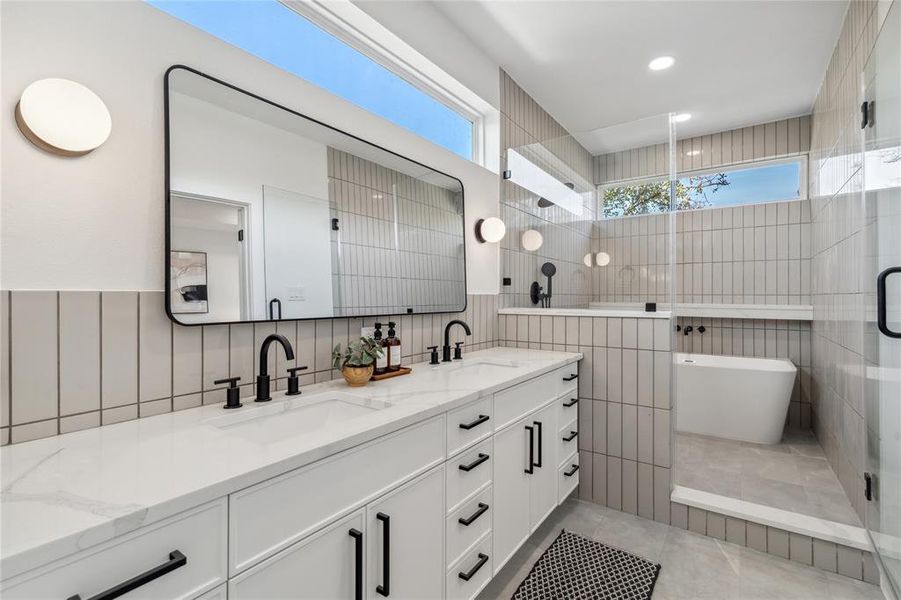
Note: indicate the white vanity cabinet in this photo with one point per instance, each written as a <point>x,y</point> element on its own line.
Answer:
<point>428,511</point>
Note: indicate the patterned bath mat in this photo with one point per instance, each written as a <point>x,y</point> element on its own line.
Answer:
<point>577,568</point>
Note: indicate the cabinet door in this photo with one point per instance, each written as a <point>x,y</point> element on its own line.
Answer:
<point>511,489</point>
<point>543,482</point>
<point>325,566</point>
<point>406,541</point>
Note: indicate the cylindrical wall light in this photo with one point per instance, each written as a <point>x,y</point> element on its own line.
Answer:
<point>602,259</point>
<point>587,260</point>
<point>532,240</point>
<point>490,230</point>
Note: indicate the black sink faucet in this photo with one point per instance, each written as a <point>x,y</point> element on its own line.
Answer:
<point>446,351</point>
<point>263,378</point>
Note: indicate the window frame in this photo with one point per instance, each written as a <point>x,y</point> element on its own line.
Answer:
<point>801,159</point>
<point>350,25</point>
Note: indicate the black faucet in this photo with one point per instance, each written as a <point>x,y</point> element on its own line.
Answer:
<point>446,350</point>
<point>263,378</point>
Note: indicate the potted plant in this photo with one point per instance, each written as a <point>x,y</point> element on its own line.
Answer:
<point>357,362</point>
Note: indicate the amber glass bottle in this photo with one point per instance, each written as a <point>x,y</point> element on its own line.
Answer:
<point>393,348</point>
<point>381,363</point>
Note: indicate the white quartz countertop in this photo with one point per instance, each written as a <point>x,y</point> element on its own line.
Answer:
<point>62,494</point>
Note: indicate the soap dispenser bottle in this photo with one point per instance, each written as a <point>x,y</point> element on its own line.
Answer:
<point>393,347</point>
<point>381,363</point>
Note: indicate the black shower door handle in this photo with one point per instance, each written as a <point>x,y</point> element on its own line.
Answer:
<point>882,320</point>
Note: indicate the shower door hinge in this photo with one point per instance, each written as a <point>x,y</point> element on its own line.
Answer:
<point>867,112</point>
<point>868,486</point>
<point>240,235</point>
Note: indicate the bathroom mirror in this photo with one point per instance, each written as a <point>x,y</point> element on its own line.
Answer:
<point>272,215</point>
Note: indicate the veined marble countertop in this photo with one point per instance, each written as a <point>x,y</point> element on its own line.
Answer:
<point>66,493</point>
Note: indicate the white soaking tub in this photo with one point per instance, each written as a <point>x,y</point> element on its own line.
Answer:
<point>736,398</point>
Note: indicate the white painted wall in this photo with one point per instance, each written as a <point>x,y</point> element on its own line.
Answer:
<point>97,222</point>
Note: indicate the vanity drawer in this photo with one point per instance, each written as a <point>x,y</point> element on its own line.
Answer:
<point>512,403</point>
<point>568,407</point>
<point>567,483</point>
<point>567,378</point>
<point>567,440</point>
<point>477,565</point>
<point>469,471</point>
<point>469,424</point>
<point>478,513</point>
<point>189,549</point>
<point>272,515</point>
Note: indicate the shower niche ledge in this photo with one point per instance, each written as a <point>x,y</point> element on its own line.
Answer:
<point>782,312</point>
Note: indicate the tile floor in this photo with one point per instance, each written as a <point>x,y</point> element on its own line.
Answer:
<point>792,475</point>
<point>693,566</point>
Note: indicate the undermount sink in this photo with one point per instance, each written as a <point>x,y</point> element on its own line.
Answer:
<point>298,416</point>
<point>486,362</point>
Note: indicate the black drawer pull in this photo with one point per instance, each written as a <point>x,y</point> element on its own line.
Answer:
<point>384,589</point>
<point>176,560</point>
<point>358,563</point>
<point>483,508</point>
<point>571,377</point>
<point>482,458</point>
<point>479,421</point>
<point>531,431</point>
<point>572,435</point>
<point>571,472</point>
<point>483,558</point>
<point>572,402</point>
<point>540,436</point>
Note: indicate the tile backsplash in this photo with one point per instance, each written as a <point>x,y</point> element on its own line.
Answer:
<point>78,359</point>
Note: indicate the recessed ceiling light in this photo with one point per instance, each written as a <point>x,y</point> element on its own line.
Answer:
<point>661,62</point>
<point>682,117</point>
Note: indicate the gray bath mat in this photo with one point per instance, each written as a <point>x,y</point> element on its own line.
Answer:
<point>577,568</point>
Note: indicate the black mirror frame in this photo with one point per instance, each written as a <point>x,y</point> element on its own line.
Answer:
<point>168,192</point>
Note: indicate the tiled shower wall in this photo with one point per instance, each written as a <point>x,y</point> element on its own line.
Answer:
<point>777,139</point>
<point>73,360</point>
<point>400,240</point>
<point>624,404</point>
<point>756,254</point>
<point>567,238</point>
<point>760,339</point>
<point>839,283</point>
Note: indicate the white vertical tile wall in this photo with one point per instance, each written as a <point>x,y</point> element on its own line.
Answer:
<point>400,239</point>
<point>74,360</point>
<point>624,404</point>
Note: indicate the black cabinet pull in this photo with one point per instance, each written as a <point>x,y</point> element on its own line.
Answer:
<point>540,436</point>
<point>479,421</point>
<point>483,558</point>
<point>572,402</point>
<point>571,377</point>
<point>385,588</point>
<point>571,472</point>
<point>483,508</point>
<point>531,431</point>
<point>358,563</point>
<point>482,458</point>
<point>882,319</point>
<point>176,560</point>
<point>572,435</point>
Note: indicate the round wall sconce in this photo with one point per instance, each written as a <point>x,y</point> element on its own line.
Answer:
<point>63,117</point>
<point>532,240</point>
<point>602,259</point>
<point>587,260</point>
<point>490,230</point>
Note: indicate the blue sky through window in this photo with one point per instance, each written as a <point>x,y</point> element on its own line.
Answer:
<point>753,185</point>
<point>278,35</point>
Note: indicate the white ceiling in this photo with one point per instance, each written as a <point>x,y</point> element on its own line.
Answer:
<point>737,62</point>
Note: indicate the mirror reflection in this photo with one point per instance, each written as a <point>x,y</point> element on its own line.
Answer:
<point>275,216</point>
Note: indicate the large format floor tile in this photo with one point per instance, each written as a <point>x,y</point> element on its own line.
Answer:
<point>793,475</point>
<point>694,567</point>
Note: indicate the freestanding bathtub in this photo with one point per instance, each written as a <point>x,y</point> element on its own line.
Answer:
<point>736,398</point>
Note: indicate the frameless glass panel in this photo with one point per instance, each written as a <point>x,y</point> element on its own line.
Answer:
<point>275,33</point>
